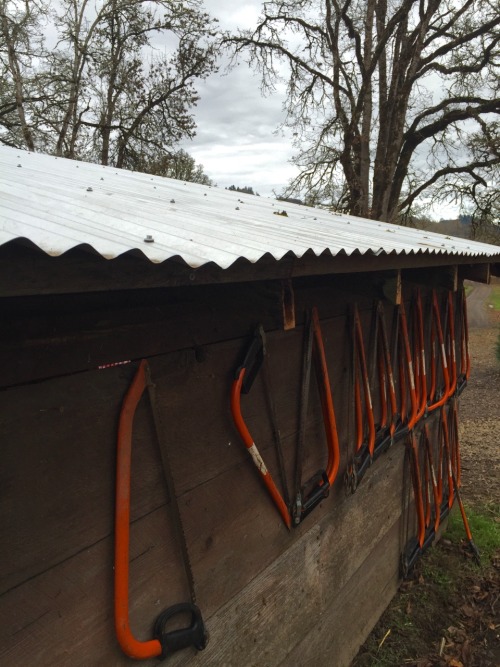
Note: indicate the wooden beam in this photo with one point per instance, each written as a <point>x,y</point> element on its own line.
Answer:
<point>25,270</point>
<point>495,269</point>
<point>46,336</point>
<point>392,288</point>
<point>288,300</point>
<point>479,273</point>
<point>442,277</point>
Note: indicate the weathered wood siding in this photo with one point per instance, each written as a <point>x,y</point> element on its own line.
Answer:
<point>269,597</point>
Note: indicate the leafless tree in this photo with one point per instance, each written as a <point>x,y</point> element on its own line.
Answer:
<point>381,96</point>
<point>129,75</point>
<point>117,87</point>
<point>21,43</point>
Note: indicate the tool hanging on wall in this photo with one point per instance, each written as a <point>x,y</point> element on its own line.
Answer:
<point>451,345</point>
<point>406,374</point>
<point>415,546</point>
<point>453,483</point>
<point>365,432</point>
<point>309,495</point>
<point>164,642</point>
<point>244,377</point>
<point>420,357</point>
<point>388,418</point>
<point>433,478</point>
<point>438,398</point>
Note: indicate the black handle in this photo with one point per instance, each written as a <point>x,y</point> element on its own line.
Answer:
<point>318,489</point>
<point>252,362</point>
<point>194,635</point>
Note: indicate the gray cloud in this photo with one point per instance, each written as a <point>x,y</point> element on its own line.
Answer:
<point>237,140</point>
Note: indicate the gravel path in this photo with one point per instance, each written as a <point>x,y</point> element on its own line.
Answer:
<point>480,409</point>
<point>477,307</point>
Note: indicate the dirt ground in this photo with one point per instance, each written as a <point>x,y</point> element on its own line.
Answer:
<point>480,408</point>
<point>456,623</point>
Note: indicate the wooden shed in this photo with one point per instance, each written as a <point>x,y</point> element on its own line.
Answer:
<point>135,310</point>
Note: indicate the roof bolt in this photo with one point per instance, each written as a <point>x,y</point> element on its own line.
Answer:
<point>172,201</point>
<point>149,239</point>
<point>102,178</point>
<point>19,165</point>
<point>237,208</point>
<point>205,194</point>
<point>89,190</point>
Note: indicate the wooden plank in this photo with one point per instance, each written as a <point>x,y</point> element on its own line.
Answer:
<point>59,493</point>
<point>287,601</point>
<point>25,270</point>
<point>233,530</point>
<point>349,618</point>
<point>64,616</point>
<point>49,336</point>
<point>479,273</point>
<point>288,299</point>
<point>445,277</point>
<point>57,473</point>
<point>256,629</point>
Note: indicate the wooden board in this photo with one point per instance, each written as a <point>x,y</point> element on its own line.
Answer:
<point>25,270</point>
<point>56,509</point>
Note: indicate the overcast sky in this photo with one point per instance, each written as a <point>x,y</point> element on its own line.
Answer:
<point>236,140</point>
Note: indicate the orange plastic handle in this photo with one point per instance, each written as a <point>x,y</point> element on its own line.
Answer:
<point>409,366</point>
<point>452,362</point>
<point>129,644</point>
<point>254,452</point>
<point>422,375</point>
<point>444,362</point>
<point>360,356</point>
<point>326,401</point>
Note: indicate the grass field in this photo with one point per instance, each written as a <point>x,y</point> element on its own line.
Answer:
<point>495,297</point>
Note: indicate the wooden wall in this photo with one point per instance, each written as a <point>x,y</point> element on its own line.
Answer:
<point>270,597</point>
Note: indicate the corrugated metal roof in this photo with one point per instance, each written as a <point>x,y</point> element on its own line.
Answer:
<point>60,204</point>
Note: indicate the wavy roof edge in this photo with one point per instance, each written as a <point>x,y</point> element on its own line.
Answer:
<point>58,205</point>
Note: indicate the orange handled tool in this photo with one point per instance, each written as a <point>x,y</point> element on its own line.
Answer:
<point>164,642</point>
<point>252,447</point>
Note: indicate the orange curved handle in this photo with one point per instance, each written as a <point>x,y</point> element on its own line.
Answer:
<point>326,401</point>
<point>129,644</point>
<point>444,362</point>
<point>409,366</point>
<point>254,452</point>
<point>422,375</point>
<point>361,358</point>
<point>386,372</point>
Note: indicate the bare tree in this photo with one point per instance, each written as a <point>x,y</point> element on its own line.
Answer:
<point>117,88</point>
<point>21,43</point>
<point>381,95</point>
<point>127,82</point>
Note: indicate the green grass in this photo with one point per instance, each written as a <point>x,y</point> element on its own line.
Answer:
<point>418,617</point>
<point>494,299</point>
<point>485,529</point>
